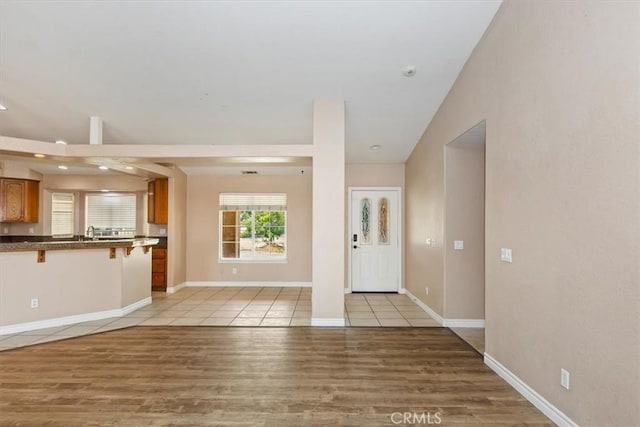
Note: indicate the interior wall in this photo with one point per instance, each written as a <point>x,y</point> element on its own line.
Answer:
<point>372,175</point>
<point>464,220</point>
<point>80,185</point>
<point>177,229</point>
<point>557,83</point>
<point>202,202</point>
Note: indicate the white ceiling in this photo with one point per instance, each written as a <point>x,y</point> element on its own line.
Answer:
<point>231,72</point>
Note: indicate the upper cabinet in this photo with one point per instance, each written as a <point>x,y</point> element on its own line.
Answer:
<point>19,200</point>
<point>158,201</point>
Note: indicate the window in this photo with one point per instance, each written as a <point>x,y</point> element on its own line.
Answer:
<point>253,226</point>
<point>62,206</point>
<point>111,214</point>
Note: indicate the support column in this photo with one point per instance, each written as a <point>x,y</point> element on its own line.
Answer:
<point>327,301</point>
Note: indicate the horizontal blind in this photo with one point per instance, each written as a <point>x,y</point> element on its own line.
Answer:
<point>111,210</point>
<point>62,214</point>
<point>253,201</point>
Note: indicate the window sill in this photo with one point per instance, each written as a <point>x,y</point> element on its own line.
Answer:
<point>252,261</point>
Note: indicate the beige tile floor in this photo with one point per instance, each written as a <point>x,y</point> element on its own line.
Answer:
<point>238,307</point>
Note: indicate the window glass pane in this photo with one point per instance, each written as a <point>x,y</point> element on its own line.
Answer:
<point>257,233</point>
<point>62,206</point>
<point>383,221</point>
<point>111,213</point>
<point>365,225</point>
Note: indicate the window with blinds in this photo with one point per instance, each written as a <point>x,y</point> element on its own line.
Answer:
<point>62,208</point>
<point>253,227</point>
<point>114,211</point>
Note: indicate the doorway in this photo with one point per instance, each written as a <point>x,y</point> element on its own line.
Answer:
<point>464,296</point>
<point>374,239</point>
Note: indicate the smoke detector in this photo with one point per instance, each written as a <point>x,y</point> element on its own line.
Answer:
<point>249,172</point>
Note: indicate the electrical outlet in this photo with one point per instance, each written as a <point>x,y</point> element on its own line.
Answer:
<point>163,231</point>
<point>34,303</point>
<point>458,245</point>
<point>234,270</point>
<point>6,230</point>
<point>564,378</point>
<point>506,255</point>
<point>31,230</point>
<point>426,290</point>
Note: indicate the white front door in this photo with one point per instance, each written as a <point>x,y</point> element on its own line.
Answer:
<point>374,241</point>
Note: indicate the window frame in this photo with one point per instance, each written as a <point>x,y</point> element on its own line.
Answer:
<point>119,228</point>
<point>73,215</point>
<point>277,259</point>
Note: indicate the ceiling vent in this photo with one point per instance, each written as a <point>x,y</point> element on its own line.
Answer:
<point>249,172</point>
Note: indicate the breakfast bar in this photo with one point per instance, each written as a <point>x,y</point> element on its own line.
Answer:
<point>55,283</point>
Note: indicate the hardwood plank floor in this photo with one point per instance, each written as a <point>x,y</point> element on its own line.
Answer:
<point>205,376</point>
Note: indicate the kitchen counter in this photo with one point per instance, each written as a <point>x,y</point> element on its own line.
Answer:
<point>53,283</point>
<point>76,244</point>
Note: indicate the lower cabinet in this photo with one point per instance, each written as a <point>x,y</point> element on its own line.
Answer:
<point>158,269</point>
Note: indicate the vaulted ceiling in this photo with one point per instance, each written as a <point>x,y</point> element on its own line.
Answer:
<point>226,72</point>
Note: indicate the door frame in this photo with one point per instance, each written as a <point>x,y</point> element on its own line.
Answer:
<point>398,191</point>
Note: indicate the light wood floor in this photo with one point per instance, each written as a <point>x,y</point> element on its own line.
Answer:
<point>206,376</point>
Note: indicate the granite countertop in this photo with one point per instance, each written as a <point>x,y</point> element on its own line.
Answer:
<point>76,244</point>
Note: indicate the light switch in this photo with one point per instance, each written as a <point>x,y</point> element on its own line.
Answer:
<point>505,255</point>
<point>458,245</point>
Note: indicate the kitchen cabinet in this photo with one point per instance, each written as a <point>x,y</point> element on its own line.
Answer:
<point>158,269</point>
<point>19,200</point>
<point>158,201</point>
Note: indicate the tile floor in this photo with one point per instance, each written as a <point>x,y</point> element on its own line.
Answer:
<point>238,307</point>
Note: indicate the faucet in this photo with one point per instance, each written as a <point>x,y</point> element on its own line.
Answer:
<point>91,232</point>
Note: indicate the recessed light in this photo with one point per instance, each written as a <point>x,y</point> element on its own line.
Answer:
<point>375,147</point>
<point>104,168</point>
<point>105,191</point>
<point>61,142</point>
<point>3,108</point>
<point>40,156</point>
<point>129,168</point>
<point>63,167</point>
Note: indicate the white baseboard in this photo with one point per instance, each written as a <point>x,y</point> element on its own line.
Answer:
<point>425,307</point>
<point>77,318</point>
<point>318,321</point>
<point>402,291</point>
<point>463,323</point>
<point>176,288</point>
<point>249,284</point>
<point>553,413</point>
<point>347,290</point>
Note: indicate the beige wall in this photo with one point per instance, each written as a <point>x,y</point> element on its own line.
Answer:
<point>177,229</point>
<point>374,175</point>
<point>464,220</point>
<point>80,185</point>
<point>557,83</point>
<point>371,175</point>
<point>70,282</point>
<point>202,228</point>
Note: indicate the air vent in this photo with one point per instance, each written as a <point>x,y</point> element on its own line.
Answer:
<point>249,172</point>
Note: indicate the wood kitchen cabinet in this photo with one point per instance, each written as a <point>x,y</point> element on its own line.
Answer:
<point>19,200</point>
<point>158,269</point>
<point>158,201</point>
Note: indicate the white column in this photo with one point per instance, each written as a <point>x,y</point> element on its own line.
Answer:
<point>95,130</point>
<point>327,303</point>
